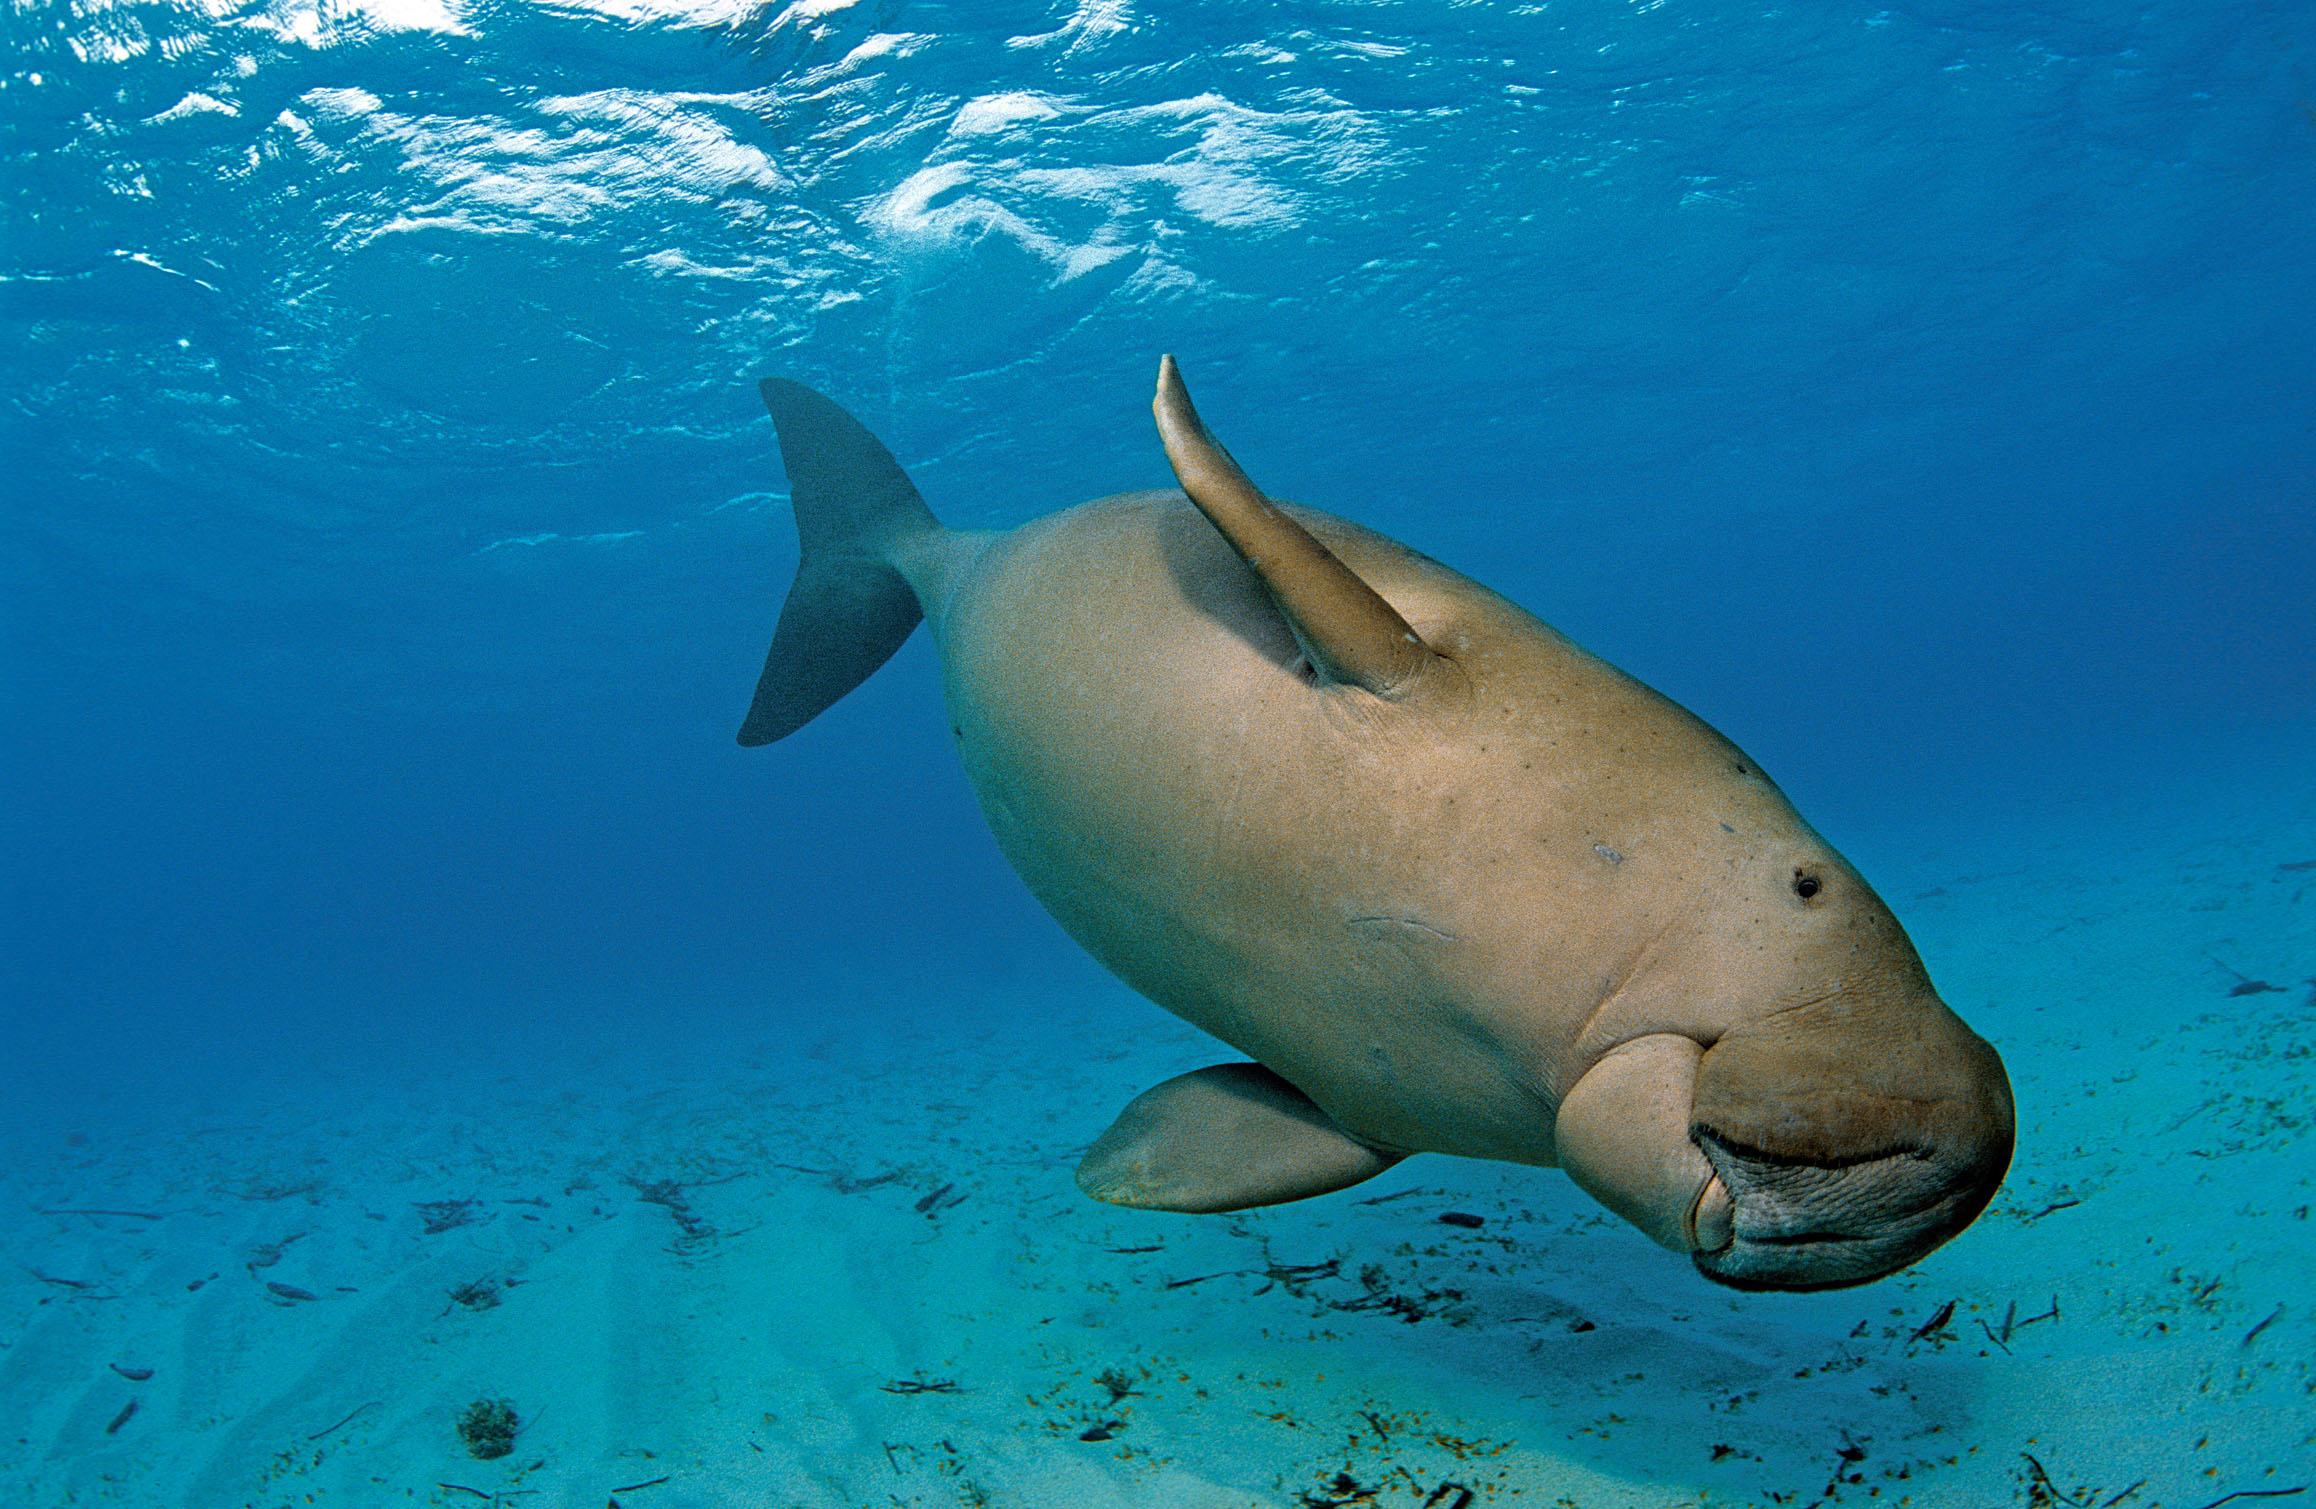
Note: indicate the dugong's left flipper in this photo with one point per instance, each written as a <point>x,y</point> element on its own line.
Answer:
<point>1351,636</point>
<point>1224,1138</point>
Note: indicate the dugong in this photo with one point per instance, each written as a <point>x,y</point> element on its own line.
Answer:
<point>1450,883</point>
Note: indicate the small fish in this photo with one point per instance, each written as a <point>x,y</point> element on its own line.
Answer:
<point>289,1291</point>
<point>1463,1218</point>
<point>134,1375</point>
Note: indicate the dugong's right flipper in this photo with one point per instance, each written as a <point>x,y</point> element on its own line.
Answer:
<point>1224,1138</point>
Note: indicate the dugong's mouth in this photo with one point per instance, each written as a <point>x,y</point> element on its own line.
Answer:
<point>1768,1222</point>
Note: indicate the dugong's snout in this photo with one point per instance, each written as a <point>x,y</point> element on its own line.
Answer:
<point>1847,1140</point>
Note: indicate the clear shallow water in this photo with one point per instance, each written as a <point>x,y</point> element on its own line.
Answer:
<point>393,531</point>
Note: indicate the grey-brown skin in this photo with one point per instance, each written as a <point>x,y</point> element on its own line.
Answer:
<point>1521,908</point>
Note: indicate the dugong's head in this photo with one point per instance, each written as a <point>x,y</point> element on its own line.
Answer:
<point>1849,1133</point>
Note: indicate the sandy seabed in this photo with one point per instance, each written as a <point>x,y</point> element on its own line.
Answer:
<point>848,1267</point>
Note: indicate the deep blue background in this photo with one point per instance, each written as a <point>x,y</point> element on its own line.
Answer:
<point>1922,394</point>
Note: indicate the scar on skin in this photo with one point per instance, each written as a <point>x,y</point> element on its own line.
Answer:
<point>1419,926</point>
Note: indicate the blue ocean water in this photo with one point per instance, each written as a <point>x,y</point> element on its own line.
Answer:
<point>1922,394</point>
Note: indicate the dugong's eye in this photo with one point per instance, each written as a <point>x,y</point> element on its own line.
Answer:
<point>1806,885</point>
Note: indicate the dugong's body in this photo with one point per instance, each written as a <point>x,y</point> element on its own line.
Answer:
<point>1450,883</point>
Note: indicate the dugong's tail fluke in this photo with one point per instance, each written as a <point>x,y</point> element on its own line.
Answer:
<point>850,607</point>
